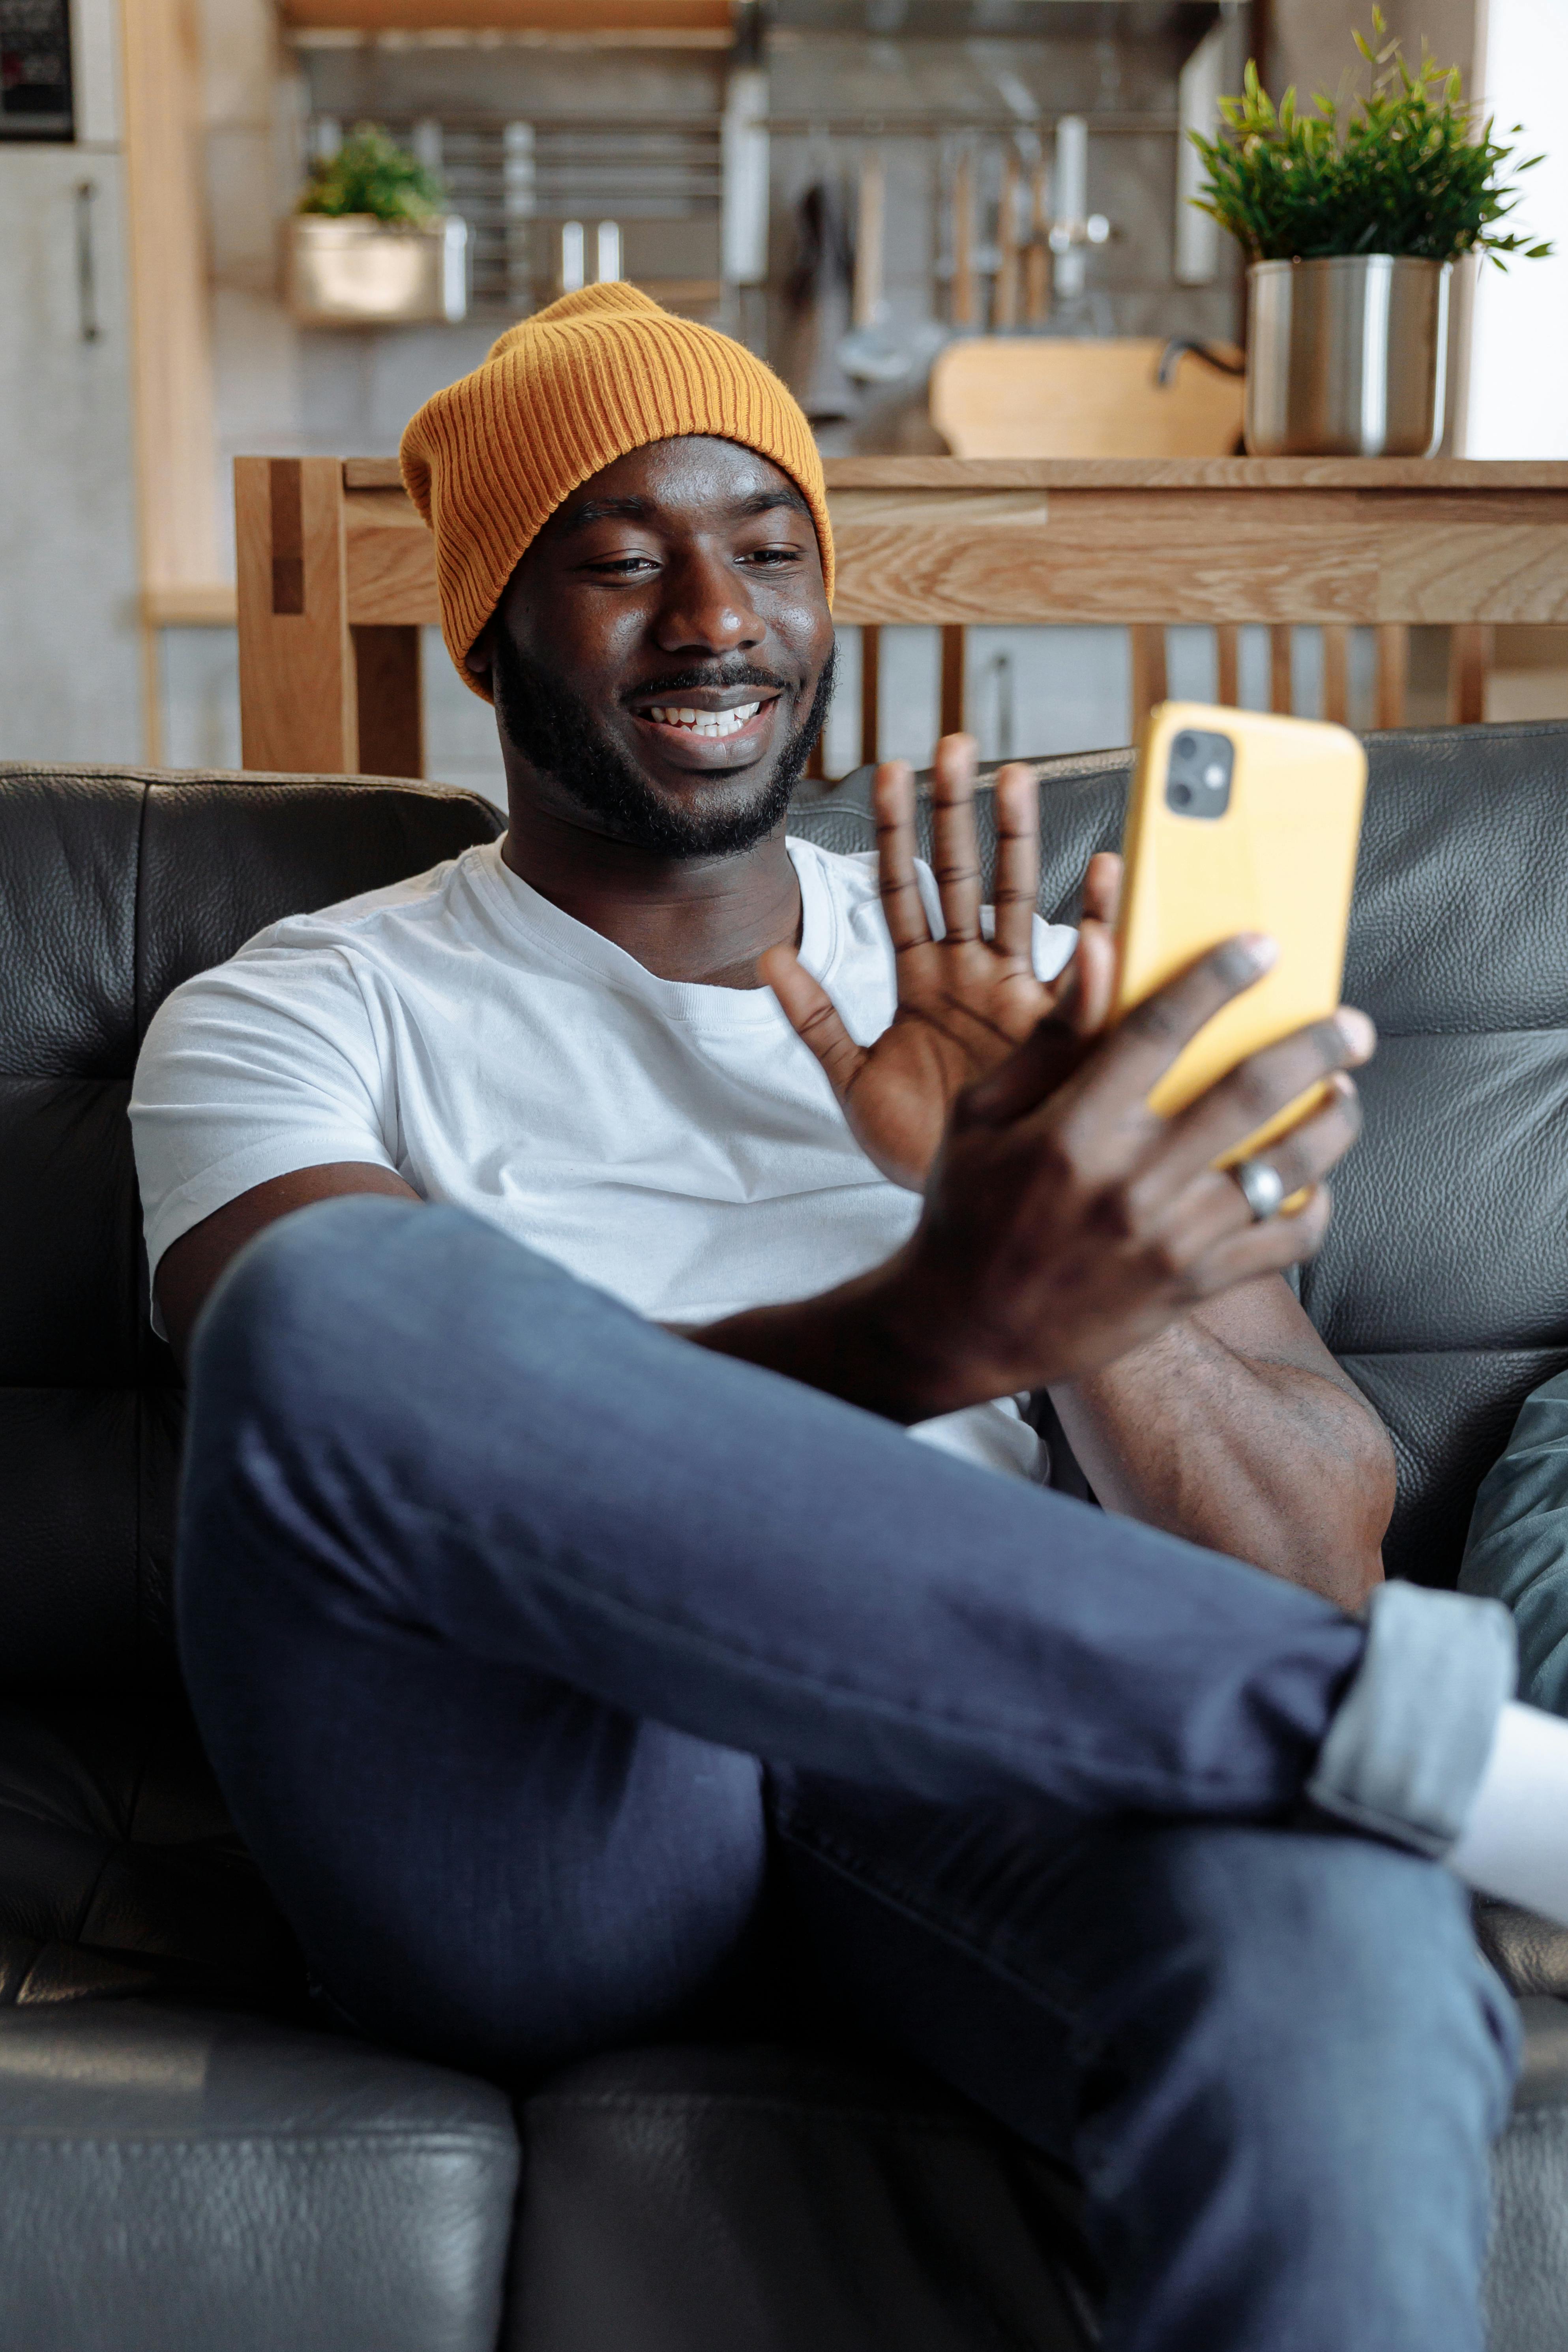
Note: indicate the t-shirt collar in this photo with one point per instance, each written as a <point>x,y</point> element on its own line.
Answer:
<point>541,928</point>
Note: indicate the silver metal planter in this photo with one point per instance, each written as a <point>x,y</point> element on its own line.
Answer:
<point>350,269</point>
<point>1346,357</point>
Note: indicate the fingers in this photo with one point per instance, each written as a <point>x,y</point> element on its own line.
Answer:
<point>1210,1207</point>
<point>1138,1053</point>
<point>1017,885</point>
<point>1267,1248</point>
<point>1266,1083</point>
<point>1059,1045</point>
<point>893,801</point>
<point>1093,970</point>
<point>955,858</point>
<point>810,1013</point>
<point>1102,888</point>
<point>1304,1156</point>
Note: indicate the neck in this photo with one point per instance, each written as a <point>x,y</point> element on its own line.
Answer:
<point>704,919</point>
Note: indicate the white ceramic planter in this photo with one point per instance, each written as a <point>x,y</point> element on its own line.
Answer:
<point>350,269</point>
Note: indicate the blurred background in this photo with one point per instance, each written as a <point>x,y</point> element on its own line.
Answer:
<point>853,187</point>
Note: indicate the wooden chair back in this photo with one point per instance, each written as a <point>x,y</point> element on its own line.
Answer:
<point>1051,396</point>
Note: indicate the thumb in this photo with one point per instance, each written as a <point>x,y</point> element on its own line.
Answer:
<point>1086,1002</point>
<point>810,1013</point>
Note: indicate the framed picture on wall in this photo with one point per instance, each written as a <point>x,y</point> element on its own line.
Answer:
<point>36,70</point>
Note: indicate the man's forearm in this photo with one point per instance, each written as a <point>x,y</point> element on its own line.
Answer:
<point>1275,1463</point>
<point>863,1342</point>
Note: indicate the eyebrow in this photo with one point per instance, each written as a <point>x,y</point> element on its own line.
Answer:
<point>760,502</point>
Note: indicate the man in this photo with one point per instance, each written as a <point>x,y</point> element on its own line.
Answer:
<point>577,1680</point>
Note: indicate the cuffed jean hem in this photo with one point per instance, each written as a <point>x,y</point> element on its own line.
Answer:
<point>1410,1739</point>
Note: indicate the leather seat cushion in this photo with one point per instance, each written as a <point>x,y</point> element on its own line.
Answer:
<point>219,2184</point>
<point>1528,2259</point>
<point>704,2200</point>
<point>699,2200</point>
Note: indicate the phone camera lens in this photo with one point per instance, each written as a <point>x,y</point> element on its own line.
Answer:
<point>1181,795</point>
<point>1185,747</point>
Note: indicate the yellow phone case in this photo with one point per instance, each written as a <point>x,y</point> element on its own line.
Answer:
<point>1281,858</point>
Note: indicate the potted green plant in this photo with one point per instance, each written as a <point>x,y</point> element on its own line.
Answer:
<point>1352,217</point>
<point>370,243</point>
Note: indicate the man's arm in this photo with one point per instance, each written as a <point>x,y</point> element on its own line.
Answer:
<point>1067,1228</point>
<point>1065,1225</point>
<point>1237,1429</point>
<point>189,1267</point>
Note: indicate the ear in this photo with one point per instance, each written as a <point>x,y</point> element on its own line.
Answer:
<point>479,658</point>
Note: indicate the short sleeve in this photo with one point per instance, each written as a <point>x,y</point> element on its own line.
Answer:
<point>267,1063</point>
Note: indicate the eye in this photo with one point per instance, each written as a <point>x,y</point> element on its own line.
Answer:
<point>772,555</point>
<point>624,567</point>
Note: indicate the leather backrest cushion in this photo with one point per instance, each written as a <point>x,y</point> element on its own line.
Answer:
<point>115,886</point>
<point>1443,1286</point>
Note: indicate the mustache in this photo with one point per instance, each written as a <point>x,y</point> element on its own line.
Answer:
<point>718,677</point>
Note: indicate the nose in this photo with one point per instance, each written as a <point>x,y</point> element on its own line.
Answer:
<point>705,608</point>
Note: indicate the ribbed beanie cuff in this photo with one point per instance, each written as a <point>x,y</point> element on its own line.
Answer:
<point>561,396</point>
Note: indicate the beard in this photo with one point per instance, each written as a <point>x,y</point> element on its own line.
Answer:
<point>562,736</point>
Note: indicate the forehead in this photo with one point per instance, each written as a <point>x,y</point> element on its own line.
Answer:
<point>692,480</point>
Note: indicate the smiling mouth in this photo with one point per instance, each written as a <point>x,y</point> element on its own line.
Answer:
<point>712,725</point>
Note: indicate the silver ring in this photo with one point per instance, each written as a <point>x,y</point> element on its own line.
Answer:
<point>1262,1188</point>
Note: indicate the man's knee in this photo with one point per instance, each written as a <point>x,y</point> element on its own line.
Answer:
<point>354,1302</point>
<point>351,1345</point>
<point>302,1287</point>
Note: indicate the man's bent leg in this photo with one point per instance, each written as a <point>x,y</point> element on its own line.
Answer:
<point>1277,2062</point>
<point>482,1863</point>
<point>417,1448</point>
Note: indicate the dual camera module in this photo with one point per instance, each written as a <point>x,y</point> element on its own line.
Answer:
<point>1197,777</point>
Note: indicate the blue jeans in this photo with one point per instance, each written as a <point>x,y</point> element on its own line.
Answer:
<point>492,1596</point>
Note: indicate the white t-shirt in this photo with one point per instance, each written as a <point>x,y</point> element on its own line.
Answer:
<point>674,1144</point>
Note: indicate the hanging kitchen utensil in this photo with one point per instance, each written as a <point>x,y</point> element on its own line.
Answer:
<point>869,353</point>
<point>818,294</point>
<point>1005,302</point>
<point>964,288</point>
<point>1037,252</point>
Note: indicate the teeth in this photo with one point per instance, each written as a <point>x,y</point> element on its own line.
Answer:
<point>714,724</point>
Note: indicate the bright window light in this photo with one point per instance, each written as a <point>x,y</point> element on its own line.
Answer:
<point>1518,334</point>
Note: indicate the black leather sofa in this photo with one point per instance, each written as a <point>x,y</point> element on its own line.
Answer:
<point>190,2160</point>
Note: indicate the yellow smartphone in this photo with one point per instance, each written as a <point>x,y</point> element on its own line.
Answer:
<point>1240,820</point>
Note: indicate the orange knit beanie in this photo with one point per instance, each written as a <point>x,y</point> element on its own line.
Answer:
<point>562,394</point>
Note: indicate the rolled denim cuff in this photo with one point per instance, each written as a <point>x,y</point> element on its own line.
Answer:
<point>1411,1737</point>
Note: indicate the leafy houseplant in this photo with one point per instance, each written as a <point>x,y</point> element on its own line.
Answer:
<point>369,243</point>
<point>1352,215</point>
<point>370,173</point>
<point>1401,169</point>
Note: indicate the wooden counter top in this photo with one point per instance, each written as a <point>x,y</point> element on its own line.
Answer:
<point>956,543</point>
